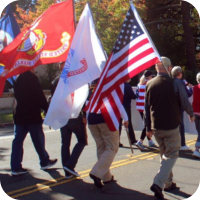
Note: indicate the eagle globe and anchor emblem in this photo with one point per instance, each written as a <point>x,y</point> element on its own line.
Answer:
<point>33,41</point>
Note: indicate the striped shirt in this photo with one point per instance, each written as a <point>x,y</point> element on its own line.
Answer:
<point>140,97</point>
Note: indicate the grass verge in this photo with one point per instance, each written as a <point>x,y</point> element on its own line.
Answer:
<point>6,118</point>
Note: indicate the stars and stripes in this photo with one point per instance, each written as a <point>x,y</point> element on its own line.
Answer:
<point>132,53</point>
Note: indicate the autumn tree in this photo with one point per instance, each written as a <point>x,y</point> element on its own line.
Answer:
<point>174,26</point>
<point>108,16</point>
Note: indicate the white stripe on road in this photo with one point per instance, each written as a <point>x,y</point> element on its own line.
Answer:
<point>12,136</point>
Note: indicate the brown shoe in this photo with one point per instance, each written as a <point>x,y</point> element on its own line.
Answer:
<point>157,190</point>
<point>121,145</point>
<point>171,187</point>
<point>111,180</point>
<point>97,181</point>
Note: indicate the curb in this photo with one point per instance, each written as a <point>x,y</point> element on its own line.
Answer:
<point>5,125</point>
<point>10,124</point>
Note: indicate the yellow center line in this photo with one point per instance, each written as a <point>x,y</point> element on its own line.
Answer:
<point>61,178</point>
<point>54,182</point>
<point>83,176</point>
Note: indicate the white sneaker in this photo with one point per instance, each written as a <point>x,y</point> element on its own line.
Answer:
<point>196,154</point>
<point>152,144</point>
<point>185,148</point>
<point>140,145</point>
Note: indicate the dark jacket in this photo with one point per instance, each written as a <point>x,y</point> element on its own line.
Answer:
<point>54,84</point>
<point>30,99</point>
<point>163,102</point>
<point>128,95</point>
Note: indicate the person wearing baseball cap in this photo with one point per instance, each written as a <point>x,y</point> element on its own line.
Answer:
<point>140,102</point>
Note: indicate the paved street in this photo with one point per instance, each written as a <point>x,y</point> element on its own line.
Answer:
<point>134,173</point>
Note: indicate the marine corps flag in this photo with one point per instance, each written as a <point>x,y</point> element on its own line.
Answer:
<point>9,29</point>
<point>47,40</point>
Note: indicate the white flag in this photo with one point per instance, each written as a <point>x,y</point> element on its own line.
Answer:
<point>84,64</point>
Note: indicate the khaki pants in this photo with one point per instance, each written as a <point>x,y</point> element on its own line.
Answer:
<point>169,144</point>
<point>107,143</point>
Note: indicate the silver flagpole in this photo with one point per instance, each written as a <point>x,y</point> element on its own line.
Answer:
<point>74,15</point>
<point>133,7</point>
<point>127,131</point>
<point>98,34</point>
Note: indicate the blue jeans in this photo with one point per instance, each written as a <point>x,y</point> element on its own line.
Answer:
<point>197,124</point>
<point>79,129</point>
<point>182,129</point>
<point>37,136</point>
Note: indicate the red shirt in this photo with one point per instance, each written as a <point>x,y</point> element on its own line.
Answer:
<point>196,98</point>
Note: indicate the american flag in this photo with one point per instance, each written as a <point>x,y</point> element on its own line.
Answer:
<point>132,53</point>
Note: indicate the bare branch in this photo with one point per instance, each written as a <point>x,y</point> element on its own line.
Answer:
<point>166,7</point>
<point>162,21</point>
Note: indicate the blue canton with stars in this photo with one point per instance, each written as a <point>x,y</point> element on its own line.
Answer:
<point>130,30</point>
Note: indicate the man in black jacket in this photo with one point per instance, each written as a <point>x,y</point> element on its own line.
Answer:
<point>164,99</point>
<point>27,118</point>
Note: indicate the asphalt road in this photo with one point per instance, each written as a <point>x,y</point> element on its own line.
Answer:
<point>133,173</point>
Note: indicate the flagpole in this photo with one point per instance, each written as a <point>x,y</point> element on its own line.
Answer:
<point>129,140</point>
<point>97,31</point>
<point>131,3</point>
<point>74,14</point>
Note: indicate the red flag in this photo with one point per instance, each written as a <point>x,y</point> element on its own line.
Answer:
<point>47,40</point>
<point>133,53</point>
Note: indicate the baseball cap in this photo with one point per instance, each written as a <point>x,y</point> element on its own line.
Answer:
<point>148,73</point>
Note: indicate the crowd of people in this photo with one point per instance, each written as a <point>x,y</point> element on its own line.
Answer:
<point>161,101</point>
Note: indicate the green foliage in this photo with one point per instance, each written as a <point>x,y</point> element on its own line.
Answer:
<point>164,23</point>
<point>6,118</point>
<point>190,76</point>
<point>108,16</point>
<point>51,71</point>
<point>162,18</point>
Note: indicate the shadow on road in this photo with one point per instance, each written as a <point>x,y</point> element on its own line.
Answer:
<point>2,153</point>
<point>178,193</point>
<point>187,155</point>
<point>81,190</point>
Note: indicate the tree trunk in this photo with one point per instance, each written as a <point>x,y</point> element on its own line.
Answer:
<point>189,38</point>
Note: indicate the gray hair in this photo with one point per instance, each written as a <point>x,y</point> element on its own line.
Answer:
<point>176,71</point>
<point>198,77</point>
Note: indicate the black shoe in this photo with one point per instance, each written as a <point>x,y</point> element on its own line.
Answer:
<point>97,181</point>
<point>71,170</point>
<point>171,187</point>
<point>51,163</point>
<point>68,175</point>
<point>112,179</point>
<point>121,145</point>
<point>157,190</point>
<point>19,172</point>
<point>134,142</point>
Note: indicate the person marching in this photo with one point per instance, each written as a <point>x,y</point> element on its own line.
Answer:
<point>27,118</point>
<point>107,143</point>
<point>177,74</point>
<point>76,126</point>
<point>163,99</point>
<point>140,94</point>
<point>196,107</point>
<point>128,96</point>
